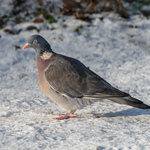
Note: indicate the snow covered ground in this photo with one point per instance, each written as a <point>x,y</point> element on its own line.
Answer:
<point>116,49</point>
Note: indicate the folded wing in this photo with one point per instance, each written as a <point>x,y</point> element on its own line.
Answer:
<point>70,77</point>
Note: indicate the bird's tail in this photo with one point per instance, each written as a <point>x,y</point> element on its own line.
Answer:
<point>130,101</point>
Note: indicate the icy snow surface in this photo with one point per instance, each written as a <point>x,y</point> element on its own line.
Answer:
<point>116,49</point>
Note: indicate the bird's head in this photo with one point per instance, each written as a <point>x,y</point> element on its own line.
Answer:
<point>39,44</point>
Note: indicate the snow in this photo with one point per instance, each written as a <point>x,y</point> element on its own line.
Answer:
<point>115,48</point>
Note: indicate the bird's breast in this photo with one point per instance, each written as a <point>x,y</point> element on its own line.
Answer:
<point>42,66</point>
<point>44,85</point>
<point>49,92</point>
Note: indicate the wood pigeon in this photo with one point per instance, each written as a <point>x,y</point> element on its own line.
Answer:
<point>71,84</point>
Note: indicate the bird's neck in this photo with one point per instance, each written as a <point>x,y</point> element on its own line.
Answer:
<point>44,60</point>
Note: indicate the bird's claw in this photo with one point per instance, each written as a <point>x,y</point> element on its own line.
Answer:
<point>65,116</point>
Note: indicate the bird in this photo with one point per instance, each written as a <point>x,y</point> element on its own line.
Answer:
<point>70,84</point>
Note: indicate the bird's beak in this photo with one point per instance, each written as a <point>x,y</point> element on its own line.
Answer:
<point>26,46</point>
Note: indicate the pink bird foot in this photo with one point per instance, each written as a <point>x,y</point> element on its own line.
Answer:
<point>65,116</point>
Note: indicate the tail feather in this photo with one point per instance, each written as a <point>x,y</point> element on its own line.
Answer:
<point>130,101</point>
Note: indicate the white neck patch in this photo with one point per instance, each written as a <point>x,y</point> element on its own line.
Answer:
<point>46,55</point>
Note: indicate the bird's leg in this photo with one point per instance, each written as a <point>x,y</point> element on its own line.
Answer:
<point>62,117</point>
<point>65,116</point>
<point>72,114</point>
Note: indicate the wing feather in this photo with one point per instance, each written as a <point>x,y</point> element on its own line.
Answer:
<point>70,77</point>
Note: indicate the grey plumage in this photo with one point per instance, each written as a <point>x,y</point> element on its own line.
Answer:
<point>70,83</point>
<point>71,78</point>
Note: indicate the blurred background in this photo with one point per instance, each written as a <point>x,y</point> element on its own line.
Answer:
<point>13,12</point>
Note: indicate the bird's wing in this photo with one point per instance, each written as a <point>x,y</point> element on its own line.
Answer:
<point>68,76</point>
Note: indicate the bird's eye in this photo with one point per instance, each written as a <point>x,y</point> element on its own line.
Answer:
<point>35,41</point>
